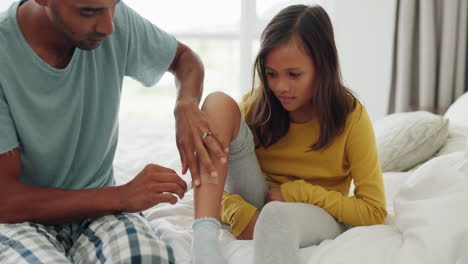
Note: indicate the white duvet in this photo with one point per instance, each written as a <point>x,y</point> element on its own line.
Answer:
<point>427,223</point>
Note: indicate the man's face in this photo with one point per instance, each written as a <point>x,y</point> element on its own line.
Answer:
<point>84,23</point>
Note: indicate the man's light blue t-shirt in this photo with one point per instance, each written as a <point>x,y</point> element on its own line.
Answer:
<point>65,122</point>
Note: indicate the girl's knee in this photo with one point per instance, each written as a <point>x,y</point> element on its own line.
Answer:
<point>219,101</point>
<point>223,113</point>
<point>288,213</point>
<point>272,214</point>
<point>274,209</point>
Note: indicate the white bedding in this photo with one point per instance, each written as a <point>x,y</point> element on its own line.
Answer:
<point>427,223</point>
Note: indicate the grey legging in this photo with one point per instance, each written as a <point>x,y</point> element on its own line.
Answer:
<point>282,228</point>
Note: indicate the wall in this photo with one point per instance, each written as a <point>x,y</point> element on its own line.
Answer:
<point>364,34</point>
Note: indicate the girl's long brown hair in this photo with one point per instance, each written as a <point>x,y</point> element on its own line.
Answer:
<point>332,101</point>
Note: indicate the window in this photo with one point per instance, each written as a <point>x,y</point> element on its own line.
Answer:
<point>224,33</point>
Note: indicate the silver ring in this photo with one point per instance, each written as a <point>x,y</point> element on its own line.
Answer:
<point>206,134</point>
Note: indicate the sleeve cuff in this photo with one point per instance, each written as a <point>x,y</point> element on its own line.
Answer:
<point>247,214</point>
<point>291,192</point>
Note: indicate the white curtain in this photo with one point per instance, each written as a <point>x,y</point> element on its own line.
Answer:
<point>430,55</point>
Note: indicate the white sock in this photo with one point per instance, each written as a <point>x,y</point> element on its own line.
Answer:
<point>205,243</point>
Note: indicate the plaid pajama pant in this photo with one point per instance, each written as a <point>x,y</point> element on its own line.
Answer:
<point>117,238</point>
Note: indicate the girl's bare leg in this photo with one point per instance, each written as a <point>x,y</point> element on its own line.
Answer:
<point>224,116</point>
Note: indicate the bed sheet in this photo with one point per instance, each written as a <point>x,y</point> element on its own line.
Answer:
<point>400,240</point>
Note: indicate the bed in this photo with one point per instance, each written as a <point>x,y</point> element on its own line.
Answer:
<point>426,184</point>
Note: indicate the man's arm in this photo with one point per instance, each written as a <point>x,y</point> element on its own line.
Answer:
<point>20,202</point>
<point>191,122</point>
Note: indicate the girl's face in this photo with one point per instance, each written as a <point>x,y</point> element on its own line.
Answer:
<point>290,75</point>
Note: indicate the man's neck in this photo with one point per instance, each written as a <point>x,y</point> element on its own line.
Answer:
<point>41,35</point>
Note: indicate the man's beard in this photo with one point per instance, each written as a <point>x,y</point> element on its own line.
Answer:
<point>88,43</point>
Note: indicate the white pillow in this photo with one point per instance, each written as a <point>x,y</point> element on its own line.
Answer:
<point>457,114</point>
<point>407,139</point>
<point>458,111</point>
<point>456,141</point>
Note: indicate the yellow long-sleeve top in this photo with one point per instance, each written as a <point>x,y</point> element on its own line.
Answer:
<point>322,177</point>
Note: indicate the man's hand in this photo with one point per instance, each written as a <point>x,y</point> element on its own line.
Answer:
<point>153,185</point>
<point>274,194</point>
<point>191,124</point>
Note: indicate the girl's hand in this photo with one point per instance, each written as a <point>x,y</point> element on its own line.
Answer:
<point>274,194</point>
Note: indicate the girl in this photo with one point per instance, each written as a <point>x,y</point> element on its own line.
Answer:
<point>304,139</point>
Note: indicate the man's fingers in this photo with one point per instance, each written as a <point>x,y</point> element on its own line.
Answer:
<point>214,146</point>
<point>184,168</point>
<point>165,198</point>
<point>185,150</point>
<point>170,188</point>
<point>206,161</point>
<point>194,170</point>
<point>157,168</point>
<point>182,159</point>
<point>163,177</point>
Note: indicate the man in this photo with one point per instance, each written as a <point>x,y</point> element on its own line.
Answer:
<point>62,64</point>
